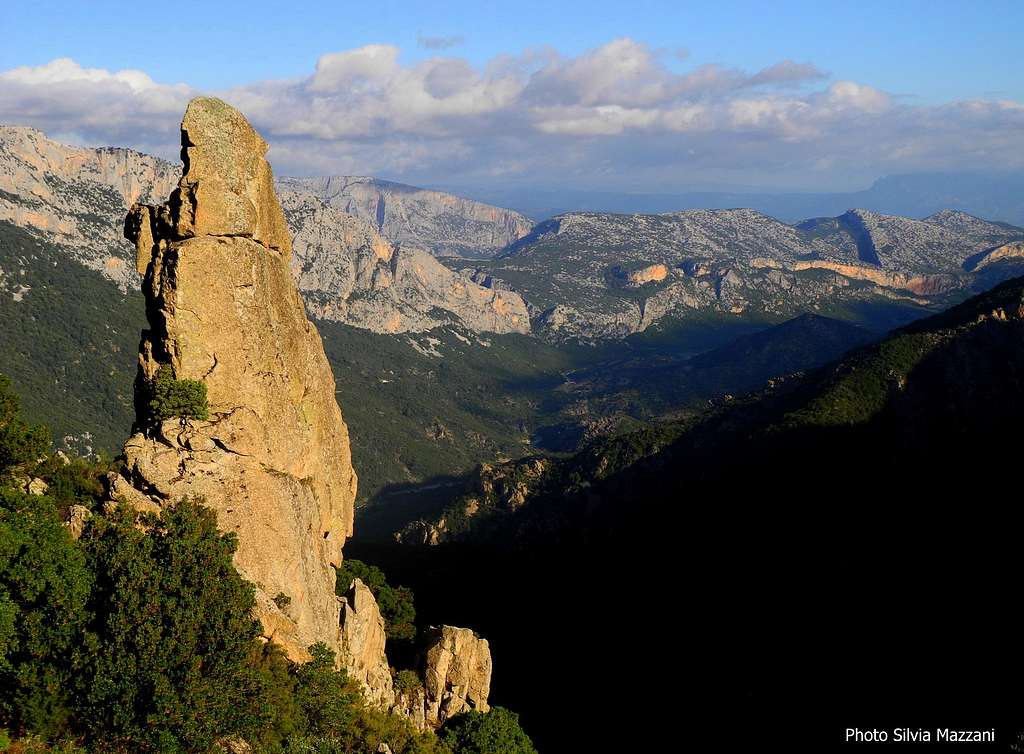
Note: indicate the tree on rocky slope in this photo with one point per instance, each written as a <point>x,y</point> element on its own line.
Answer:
<point>166,663</point>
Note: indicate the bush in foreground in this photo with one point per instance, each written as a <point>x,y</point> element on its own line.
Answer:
<point>166,662</point>
<point>494,732</point>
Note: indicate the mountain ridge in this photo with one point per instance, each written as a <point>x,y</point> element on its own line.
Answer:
<point>600,275</point>
<point>76,198</point>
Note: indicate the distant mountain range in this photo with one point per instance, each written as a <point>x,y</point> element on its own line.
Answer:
<point>416,218</point>
<point>600,275</point>
<point>471,357</point>
<point>379,255</point>
<point>997,196</point>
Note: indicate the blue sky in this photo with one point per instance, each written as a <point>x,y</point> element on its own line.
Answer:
<point>923,57</point>
<point>932,51</point>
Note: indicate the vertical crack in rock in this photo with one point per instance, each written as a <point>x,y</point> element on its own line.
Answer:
<point>278,473</point>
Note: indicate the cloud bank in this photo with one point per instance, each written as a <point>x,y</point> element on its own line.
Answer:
<point>620,116</point>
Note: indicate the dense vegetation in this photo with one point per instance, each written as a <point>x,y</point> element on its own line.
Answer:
<point>415,416</point>
<point>68,342</point>
<point>496,732</point>
<point>139,636</point>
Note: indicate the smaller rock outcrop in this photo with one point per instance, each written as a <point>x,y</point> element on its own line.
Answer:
<point>362,644</point>
<point>456,673</point>
<point>494,490</point>
<point>454,665</point>
<point>77,518</point>
<point>412,705</point>
<point>31,485</point>
<point>636,278</point>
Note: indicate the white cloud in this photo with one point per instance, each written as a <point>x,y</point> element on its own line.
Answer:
<point>620,114</point>
<point>849,94</point>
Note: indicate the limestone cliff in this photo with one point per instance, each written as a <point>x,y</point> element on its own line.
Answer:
<point>349,273</point>
<point>273,459</point>
<point>433,221</point>
<point>76,196</point>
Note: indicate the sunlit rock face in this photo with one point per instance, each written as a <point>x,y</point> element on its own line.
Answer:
<point>273,458</point>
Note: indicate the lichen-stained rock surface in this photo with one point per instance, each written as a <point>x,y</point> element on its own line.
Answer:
<point>362,644</point>
<point>273,457</point>
<point>227,188</point>
<point>457,673</point>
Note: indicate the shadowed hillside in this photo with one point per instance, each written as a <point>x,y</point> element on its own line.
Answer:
<point>837,546</point>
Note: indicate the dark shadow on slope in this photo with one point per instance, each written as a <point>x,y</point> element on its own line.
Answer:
<point>765,582</point>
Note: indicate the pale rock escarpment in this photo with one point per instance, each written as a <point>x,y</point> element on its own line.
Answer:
<point>349,273</point>
<point>919,284</point>
<point>273,459</point>
<point>76,196</point>
<point>652,273</point>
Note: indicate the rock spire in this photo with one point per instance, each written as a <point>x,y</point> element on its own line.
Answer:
<point>272,457</point>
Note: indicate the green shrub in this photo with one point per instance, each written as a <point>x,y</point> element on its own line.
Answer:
<point>396,603</point>
<point>494,732</point>
<point>171,397</point>
<point>44,588</point>
<point>278,697</point>
<point>407,680</point>
<point>20,442</point>
<point>167,665</point>
<point>327,700</point>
